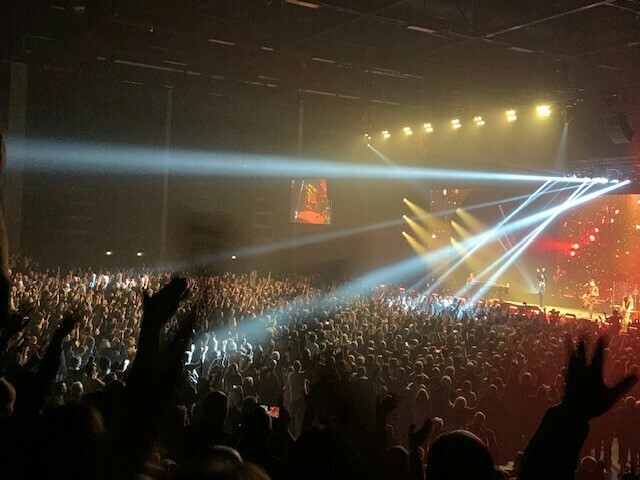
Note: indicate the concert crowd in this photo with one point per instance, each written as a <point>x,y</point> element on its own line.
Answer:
<point>132,375</point>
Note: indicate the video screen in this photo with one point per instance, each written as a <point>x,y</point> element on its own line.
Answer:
<point>310,202</point>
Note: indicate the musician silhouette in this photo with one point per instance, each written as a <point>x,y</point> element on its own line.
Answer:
<point>542,285</point>
<point>590,297</point>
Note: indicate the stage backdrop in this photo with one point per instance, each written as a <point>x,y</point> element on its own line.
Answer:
<point>600,240</point>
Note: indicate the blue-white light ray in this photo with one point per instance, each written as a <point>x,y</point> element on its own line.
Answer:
<point>50,156</point>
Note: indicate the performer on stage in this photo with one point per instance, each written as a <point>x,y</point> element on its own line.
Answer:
<point>471,279</point>
<point>627,308</point>
<point>590,297</point>
<point>542,285</point>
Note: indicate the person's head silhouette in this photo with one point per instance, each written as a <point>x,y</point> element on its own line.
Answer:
<point>459,455</point>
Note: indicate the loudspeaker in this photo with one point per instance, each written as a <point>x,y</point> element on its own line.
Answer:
<point>619,129</point>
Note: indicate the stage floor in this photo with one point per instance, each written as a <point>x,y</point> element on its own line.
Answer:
<point>579,313</point>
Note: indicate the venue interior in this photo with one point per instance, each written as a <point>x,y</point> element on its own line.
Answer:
<point>474,162</point>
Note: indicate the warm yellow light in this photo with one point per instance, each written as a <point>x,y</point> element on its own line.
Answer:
<point>543,110</point>
<point>478,120</point>
<point>404,199</point>
<point>408,131</point>
<point>404,233</point>
<point>428,128</point>
<point>511,115</point>
<point>456,123</point>
<point>386,134</point>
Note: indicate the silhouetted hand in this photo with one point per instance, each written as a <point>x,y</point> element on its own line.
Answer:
<point>69,322</point>
<point>385,406</point>
<point>160,307</point>
<point>417,438</point>
<point>586,395</point>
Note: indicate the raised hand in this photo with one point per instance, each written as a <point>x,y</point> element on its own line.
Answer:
<point>419,437</point>
<point>586,395</point>
<point>385,406</point>
<point>69,322</point>
<point>160,307</point>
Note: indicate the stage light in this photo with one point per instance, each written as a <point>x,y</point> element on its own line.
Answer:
<point>407,131</point>
<point>386,134</point>
<point>433,235</point>
<point>511,115</point>
<point>592,238</point>
<point>575,246</point>
<point>428,128</point>
<point>109,253</point>
<point>543,110</point>
<point>233,257</point>
<point>455,123</point>
<point>404,233</point>
<point>637,227</point>
<point>612,220</point>
<point>404,199</point>
<point>597,230</point>
<point>616,212</point>
<point>573,253</point>
<point>139,254</point>
<point>404,216</point>
<point>478,120</point>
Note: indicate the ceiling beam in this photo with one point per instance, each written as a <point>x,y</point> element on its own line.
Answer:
<point>353,21</point>
<point>547,18</point>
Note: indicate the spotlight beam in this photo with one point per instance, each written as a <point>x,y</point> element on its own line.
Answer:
<point>507,237</point>
<point>420,231</point>
<point>50,156</point>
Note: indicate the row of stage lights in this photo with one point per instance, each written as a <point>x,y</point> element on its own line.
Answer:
<point>542,111</point>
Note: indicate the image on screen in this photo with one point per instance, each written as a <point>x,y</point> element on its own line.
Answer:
<point>310,202</point>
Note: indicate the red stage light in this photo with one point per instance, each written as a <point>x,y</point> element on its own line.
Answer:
<point>575,246</point>
<point>592,238</point>
<point>573,253</point>
<point>597,230</point>
<point>617,211</point>
<point>637,227</point>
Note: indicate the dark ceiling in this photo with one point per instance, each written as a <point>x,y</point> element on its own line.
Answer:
<point>417,53</point>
